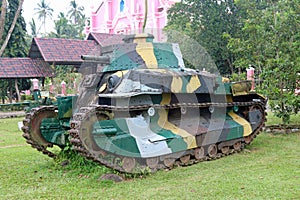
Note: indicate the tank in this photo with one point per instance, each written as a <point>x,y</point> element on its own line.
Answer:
<point>140,109</point>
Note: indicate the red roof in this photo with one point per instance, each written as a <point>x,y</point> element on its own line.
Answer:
<point>24,68</point>
<point>105,39</point>
<point>62,51</point>
<point>58,51</point>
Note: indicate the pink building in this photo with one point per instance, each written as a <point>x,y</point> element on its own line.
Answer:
<point>127,16</point>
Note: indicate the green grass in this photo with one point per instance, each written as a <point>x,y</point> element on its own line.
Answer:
<point>9,132</point>
<point>268,169</point>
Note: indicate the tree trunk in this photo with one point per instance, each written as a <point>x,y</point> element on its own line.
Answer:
<point>10,91</point>
<point>17,90</point>
<point>11,28</point>
<point>146,15</point>
<point>2,18</point>
<point>230,66</point>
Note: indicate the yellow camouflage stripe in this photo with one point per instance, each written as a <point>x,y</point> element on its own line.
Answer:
<point>176,84</point>
<point>243,122</point>
<point>164,123</point>
<point>193,84</point>
<point>146,51</point>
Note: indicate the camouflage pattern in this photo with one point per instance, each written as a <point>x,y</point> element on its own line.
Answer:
<point>142,102</point>
<point>152,73</point>
<point>141,52</point>
<point>149,136</point>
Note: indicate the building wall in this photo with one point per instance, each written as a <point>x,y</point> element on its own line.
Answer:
<point>127,16</point>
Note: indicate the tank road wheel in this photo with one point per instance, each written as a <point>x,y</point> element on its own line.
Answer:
<point>128,164</point>
<point>185,159</point>
<point>199,153</point>
<point>225,150</point>
<point>169,162</point>
<point>212,151</point>
<point>117,161</point>
<point>237,146</point>
<point>248,139</point>
<point>152,162</point>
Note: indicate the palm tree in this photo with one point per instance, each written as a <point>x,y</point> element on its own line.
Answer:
<point>43,11</point>
<point>33,28</point>
<point>75,13</point>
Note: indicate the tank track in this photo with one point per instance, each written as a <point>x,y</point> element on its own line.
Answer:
<point>31,134</point>
<point>140,165</point>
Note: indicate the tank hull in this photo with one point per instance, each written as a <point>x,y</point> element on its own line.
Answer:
<point>140,109</point>
<point>156,136</point>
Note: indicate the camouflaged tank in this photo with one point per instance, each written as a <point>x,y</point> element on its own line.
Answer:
<point>140,109</point>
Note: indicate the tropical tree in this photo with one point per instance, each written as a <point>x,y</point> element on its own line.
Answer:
<point>208,23</point>
<point>270,42</point>
<point>64,28</point>
<point>75,12</point>
<point>44,11</point>
<point>3,22</point>
<point>17,45</point>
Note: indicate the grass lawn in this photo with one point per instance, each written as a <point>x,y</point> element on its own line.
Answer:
<point>295,119</point>
<point>268,169</point>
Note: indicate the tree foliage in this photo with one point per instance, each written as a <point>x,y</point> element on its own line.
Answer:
<point>208,22</point>
<point>75,12</point>
<point>12,21</point>
<point>33,28</point>
<point>64,28</point>
<point>67,25</point>
<point>70,25</point>
<point>269,41</point>
<point>17,45</point>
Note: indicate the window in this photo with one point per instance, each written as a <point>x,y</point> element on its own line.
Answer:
<point>122,3</point>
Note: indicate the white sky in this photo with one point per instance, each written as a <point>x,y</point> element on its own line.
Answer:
<point>58,6</point>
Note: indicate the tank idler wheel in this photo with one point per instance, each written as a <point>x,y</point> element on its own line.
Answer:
<point>128,164</point>
<point>199,153</point>
<point>225,150</point>
<point>185,159</point>
<point>212,151</point>
<point>248,139</point>
<point>237,146</point>
<point>152,162</point>
<point>169,162</point>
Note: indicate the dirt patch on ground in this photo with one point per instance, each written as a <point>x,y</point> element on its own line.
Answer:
<point>11,114</point>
